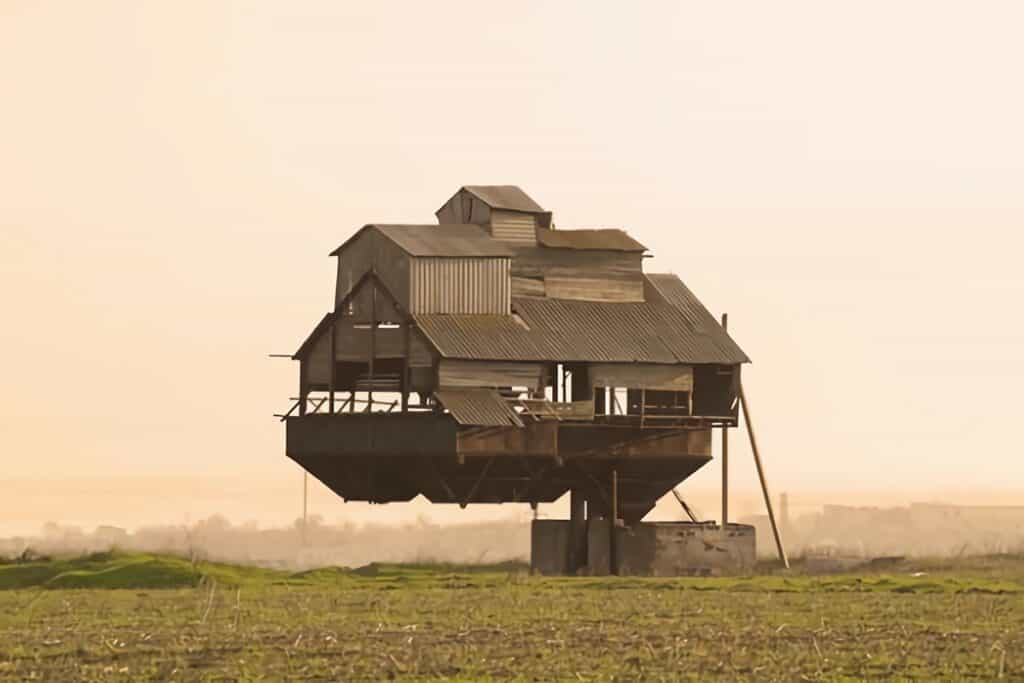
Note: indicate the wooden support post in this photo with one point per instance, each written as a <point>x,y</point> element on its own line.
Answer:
<point>725,453</point>
<point>643,406</point>
<point>334,362</point>
<point>373,343</point>
<point>760,474</point>
<point>405,368</point>
<point>479,480</point>
<point>303,386</point>
<point>613,545</point>
<point>577,531</point>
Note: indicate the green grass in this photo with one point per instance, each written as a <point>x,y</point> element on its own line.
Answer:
<point>136,617</point>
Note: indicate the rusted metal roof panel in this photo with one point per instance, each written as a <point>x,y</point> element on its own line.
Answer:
<point>451,240</point>
<point>509,197</point>
<point>605,239</point>
<point>583,331</point>
<point>478,407</point>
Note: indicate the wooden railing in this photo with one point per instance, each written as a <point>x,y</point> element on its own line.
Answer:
<point>319,405</point>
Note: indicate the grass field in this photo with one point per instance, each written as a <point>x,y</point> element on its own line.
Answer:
<point>138,617</point>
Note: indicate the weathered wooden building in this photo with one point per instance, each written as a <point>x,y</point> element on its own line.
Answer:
<point>494,358</point>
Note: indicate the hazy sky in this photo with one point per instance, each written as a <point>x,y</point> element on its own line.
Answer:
<point>845,179</point>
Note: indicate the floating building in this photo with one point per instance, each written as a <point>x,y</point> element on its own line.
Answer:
<point>495,358</point>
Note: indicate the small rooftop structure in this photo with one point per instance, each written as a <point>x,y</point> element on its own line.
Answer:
<point>496,358</point>
<point>437,240</point>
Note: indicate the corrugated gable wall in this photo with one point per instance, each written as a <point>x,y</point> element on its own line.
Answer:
<point>460,285</point>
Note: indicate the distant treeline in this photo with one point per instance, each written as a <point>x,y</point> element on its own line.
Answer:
<point>297,546</point>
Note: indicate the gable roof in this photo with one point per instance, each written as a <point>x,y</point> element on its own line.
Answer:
<point>605,239</point>
<point>450,239</point>
<point>509,197</point>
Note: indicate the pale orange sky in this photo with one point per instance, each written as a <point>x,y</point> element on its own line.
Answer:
<point>844,179</point>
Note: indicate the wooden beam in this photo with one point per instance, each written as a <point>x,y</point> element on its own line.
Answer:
<point>476,484</point>
<point>405,367</point>
<point>725,453</point>
<point>686,508</point>
<point>373,341</point>
<point>303,386</point>
<point>334,362</point>
<point>761,476</point>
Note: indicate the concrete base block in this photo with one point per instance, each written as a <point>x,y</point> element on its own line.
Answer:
<point>647,548</point>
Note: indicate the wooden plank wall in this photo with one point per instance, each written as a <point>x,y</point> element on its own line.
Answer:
<point>391,264</point>
<point>585,275</point>
<point>528,286</point>
<point>464,208</point>
<point>353,343</point>
<point>468,373</point>
<point>319,360</point>
<point>642,376</point>
<point>606,289</point>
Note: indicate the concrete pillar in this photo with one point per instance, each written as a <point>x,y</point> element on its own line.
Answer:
<point>577,531</point>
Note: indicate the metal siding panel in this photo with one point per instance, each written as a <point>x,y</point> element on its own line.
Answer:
<point>514,228</point>
<point>642,376</point>
<point>460,286</point>
<point>491,374</point>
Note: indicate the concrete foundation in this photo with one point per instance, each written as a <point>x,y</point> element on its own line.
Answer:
<point>645,548</point>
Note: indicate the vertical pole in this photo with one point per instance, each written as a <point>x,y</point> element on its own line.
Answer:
<point>613,546</point>
<point>305,506</point>
<point>577,531</point>
<point>764,483</point>
<point>784,512</point>
<point>725,453</point>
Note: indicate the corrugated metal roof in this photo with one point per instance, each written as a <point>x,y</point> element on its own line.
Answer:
<point>605,239</point>
<point>478,407</point>
<point>510,197</point>
<point>583,331</point>
<point>669,288</point>
<point>449,240</point>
